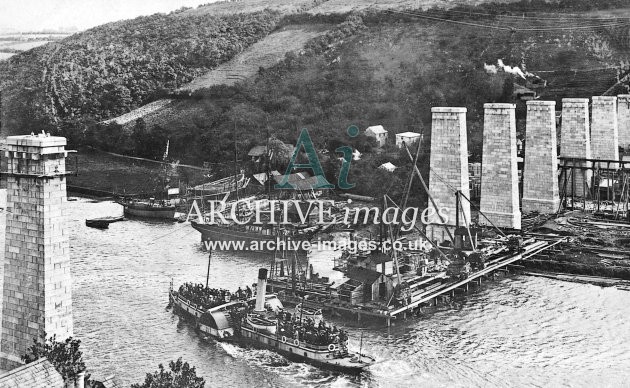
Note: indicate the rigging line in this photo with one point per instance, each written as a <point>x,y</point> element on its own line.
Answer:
<point>574,70</point>
<point>572,28</point>
<point>517,19</point>
<point>537,17</point>
<point>452,21</point>
<point>171,232</point>
<point>453,189</point>
<point>506,28</point>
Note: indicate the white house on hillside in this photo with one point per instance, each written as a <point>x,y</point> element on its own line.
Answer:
<point>377,132</point>
<point>389,166</point>
<point>408,138</point>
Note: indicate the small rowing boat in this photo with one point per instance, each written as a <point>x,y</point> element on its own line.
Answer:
<point>103,222</point>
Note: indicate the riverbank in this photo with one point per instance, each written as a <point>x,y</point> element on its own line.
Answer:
<point>596,246</point>
<point>621,284</point>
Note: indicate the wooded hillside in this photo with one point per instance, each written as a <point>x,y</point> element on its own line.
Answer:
<point>108,70</point>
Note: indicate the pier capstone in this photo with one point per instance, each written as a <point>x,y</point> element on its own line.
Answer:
<point>540,177</point>
<point>36,284</point>
<point>623,120</point>
<point>499,174</point>
<point>604,129</point>
<point>575,142</point>
<point>449,167</point>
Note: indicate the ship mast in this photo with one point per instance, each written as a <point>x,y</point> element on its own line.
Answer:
<point>235,163</point>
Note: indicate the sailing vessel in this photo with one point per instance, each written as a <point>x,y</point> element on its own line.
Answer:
<point>247,233</point>
<point>148,209</point>
<point>238,182</point>
<point>151,208</point>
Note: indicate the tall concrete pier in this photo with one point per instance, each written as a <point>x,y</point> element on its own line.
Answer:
<point>575,142</point>
<point>604,129</point>
<point>499,176</point>
<point>36,284</point>
<point>449,165</point>
<point>623,120</point>
<point>540,179</point>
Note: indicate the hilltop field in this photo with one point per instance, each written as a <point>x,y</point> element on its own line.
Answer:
<point>228,75</point>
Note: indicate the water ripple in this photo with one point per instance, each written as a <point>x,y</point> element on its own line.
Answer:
<point>511,332</point>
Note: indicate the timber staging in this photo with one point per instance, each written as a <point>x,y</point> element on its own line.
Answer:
<point>324,297</point>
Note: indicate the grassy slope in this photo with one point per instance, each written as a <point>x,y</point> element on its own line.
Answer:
<point>246,6</point>
<point>264,53</point>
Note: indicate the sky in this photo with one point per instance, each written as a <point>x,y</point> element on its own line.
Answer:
<point>37,15</point>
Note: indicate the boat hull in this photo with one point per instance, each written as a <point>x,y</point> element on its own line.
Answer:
<point>322,358</point>
<point>183,305</point>
<point>218,233</point>
<point>162,213</point>
<point>97,224</point>
<point>211,232</point>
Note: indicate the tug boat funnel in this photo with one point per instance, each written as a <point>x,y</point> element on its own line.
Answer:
<point>261,290</point>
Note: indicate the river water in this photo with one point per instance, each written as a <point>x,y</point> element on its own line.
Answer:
<point>517,331</point>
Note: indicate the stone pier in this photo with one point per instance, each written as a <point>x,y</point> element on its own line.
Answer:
<point>575,142</point>
<point>36,284</point>
<point>604,129</point>
<point>540,179</point>
<point>449,166</point>
<point>623,121</point>
<point>499,176</point>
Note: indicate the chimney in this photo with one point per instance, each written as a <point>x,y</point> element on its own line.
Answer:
<point>261,290</point>
<point>79,380</point>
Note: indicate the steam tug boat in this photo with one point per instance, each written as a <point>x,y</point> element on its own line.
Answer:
<point>262,322</point>
<point>332,353</point>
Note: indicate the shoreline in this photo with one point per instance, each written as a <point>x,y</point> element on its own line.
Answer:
<point>623,284</point>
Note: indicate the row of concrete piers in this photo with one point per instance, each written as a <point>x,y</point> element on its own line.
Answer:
<point>590,130</point>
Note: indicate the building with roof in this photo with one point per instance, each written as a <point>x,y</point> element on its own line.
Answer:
<point>304,185</point>
<point>261,177</point>
<point>379,133</point>
<point>38,374</point>
<point>388,167</point>
<point>407,138</point>
<point>110,381</point>
<point>523,93</point>
<point>370,278</point>
<point>257,153</point>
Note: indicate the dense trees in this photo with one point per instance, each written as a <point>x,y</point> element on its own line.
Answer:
<point>65,356</point>
<point>108,70</point>
<point>347,76</point>
<point>180,375</point>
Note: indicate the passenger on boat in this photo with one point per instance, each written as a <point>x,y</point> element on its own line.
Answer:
<point>307,331</point>
<point>203,297</point>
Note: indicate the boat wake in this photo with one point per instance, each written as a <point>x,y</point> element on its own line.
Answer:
<point>269,360</point>
<point>256,356</point>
